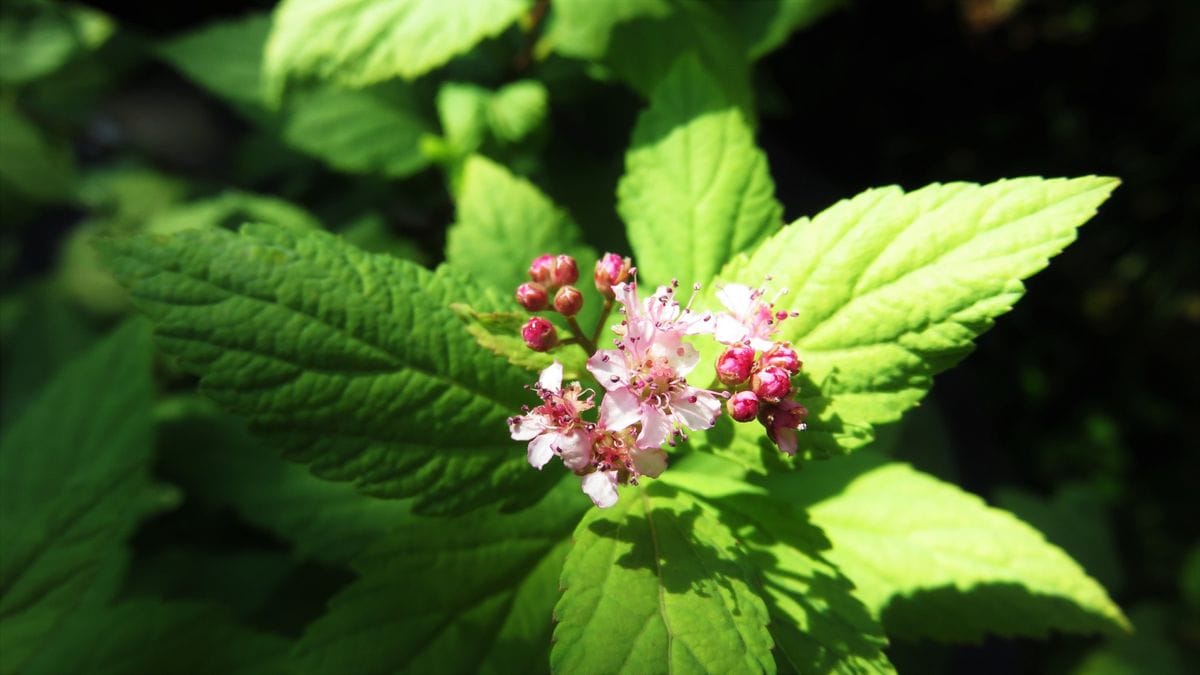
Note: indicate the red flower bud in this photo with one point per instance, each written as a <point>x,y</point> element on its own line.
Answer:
<point>742,406</point>
<point>539,334</point>
<point>568,301</point>
<point>771,383</point>
<point>532,296</point>
<point>566,271</point>
<point>541,270</point>
<point>733,366</point>
<point>611,270</point>
<point>783,356</point>
<point>781,421</point>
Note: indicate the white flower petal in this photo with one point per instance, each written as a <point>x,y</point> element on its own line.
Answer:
<point>525,427</point>
<point>601,486</point>
<point>650,462</point>
<point>608,367</point>
<point>728,330</point>
<point>541,450</point>
<point>737,298</point>
<point>685,362</point>
<point>619,409</point>
<point>656,428</point>
<point>551,377</point>
<point>699,414</point>
<point>575,448</point>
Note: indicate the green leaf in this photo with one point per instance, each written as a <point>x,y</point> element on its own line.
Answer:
<point>472,593</point>
<point>658,583</point>
<point>230,210</point>
<point>462,111</point>
<point>640,40</point>
<point>891,288</point>
<point>503,222</point>
<point>934,561</point>
<point>1150,650</point>
<point>369,131</point>
<point>361,42</point>
<point>350,362</point>
<point>818,625</point>
<point>149,636</point>
<point>216,459</point>
<point>74,482</point>
<point>766,26</point>
<point>696,190</point>
<point>37,38</point>
<point>500,334</point>
<point>225,57</point>
<point>516,109</point>
<point>35,165</point>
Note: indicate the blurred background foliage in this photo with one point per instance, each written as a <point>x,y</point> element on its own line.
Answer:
<point>1077,411</point>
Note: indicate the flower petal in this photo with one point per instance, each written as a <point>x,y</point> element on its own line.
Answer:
<point>656,428</point>
<point>619,409</point>
<point>575,448</point>
<point>684,359</point>
<point>601,486</point>
<point>608,367</point>
<point>650,462</point>
<point>737,298</point>
<point>701,413</point>
<point>728,330</point>
<point>525,427</point>
<point>787,440</point>
<point>541,450</point>
<point>551,377</point>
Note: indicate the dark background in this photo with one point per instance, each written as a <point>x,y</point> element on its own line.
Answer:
<point>1090,382</point>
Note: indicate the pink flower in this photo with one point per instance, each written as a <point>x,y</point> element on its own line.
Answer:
<point>771,383</point>
<point>611,269</point>
<point>555,427</point>
<point>734,366</point>
<point>750,319</point>
<point>645,376</point>
<point>742,406</point>
<point>539,334</point>
<point>782,420</point>
<point>532,296</point>
<point>618,461</point>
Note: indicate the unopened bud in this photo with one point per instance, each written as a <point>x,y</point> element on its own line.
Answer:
<point>742,406</point>
<point>566,271</point>
<point>532,296</point>
<point>771,383</point>
<point>611,270</point>
<point>783,356</point>
<point>733,366</point>
<point>782,420</point>
<point>539,334</point>
<point>541,270</point>
<point>568,301</point>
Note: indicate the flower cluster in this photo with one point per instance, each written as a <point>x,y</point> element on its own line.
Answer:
<point>648,402</point>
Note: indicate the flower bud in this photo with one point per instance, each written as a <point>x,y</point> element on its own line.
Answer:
<point>541,270</point>
<point>783,356</point>
<point>733,366</point>
<point>781,421</point>
<point>539,334</point>
<point>771,383</point>
<point>611,270</point>
<point>532,296</point>
<point>568,301</point>
<point>742,406</point>
<point>566,271</point>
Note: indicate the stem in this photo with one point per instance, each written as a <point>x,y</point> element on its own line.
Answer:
<point>580,337</point>
<point>608,303</point>
<point>524,58</point>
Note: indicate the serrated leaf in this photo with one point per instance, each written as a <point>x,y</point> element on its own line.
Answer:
<point>466,594</point>
<point>765,26</point>
<point>891,288</point>
<point>230,210</point>
<point>368,131</point>
<point>225,57</point>
<point>74,482</point>
<point>640,40</point>
<point>502,223</point>
<point>151,636</point>
<point>696,190</point>
<point>218,461</point>
<point>934,561</point>
<point>500,334</point>
<point>350,362</point>
<point>361,42</point>
<point>658,583</point>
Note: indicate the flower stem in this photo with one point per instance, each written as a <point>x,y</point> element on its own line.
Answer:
<point>580,337</point>
<point>604,312</point>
